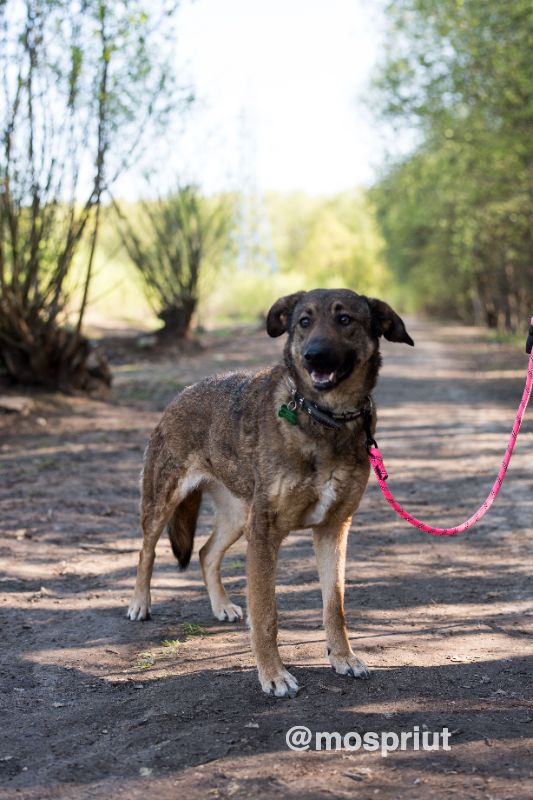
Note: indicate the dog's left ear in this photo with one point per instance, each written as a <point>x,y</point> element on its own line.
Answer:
<point>279,315</point>
<point>387,323</point>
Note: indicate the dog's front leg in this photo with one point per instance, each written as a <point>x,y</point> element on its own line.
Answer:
<point>330,549</point>
<point>261,562</point>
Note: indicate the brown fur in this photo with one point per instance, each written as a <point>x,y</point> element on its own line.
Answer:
<point>266,477</point>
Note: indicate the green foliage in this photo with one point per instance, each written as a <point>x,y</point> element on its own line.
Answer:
<point>329,242</point>
<point>116,295</point>
<point>332,241</point>
<point>245,296</point>
<point>171,241</point>
<point>82,84</point>
<point>456,214</point>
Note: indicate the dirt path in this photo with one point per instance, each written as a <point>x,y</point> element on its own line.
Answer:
<point>94,706</point>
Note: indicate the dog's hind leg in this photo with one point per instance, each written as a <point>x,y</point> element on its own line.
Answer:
<point>153,521</point>
<point>163,487</point>
<point>230,518</point>
<point>330,550</point>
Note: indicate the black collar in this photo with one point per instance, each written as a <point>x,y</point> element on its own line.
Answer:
<point>323,415</point>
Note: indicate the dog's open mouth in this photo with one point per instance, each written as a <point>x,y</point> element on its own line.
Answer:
<point>328,380</point>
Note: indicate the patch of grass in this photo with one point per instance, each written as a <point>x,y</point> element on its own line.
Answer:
<point>235,566</point>
<point>171,643</point>
<point>169,648</point>
<point>191,629</point>
<point>47,463</point>
<point>145,660</point>
<point>137,392</point>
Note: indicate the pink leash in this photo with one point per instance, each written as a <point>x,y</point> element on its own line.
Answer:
<point>376,459</point>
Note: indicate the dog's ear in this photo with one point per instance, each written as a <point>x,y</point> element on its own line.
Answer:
<point>387,323</point>
<point>279,315</point>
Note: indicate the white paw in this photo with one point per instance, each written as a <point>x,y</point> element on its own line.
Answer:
<point>349,665</point>
<point>139,609</point>
<point>228,612</point>
<point>283,684</point>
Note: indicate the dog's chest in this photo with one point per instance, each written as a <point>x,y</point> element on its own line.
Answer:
<point>327,498</point>
<point>303,500</point>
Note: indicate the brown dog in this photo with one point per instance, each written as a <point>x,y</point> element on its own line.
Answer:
<point>277,451</point>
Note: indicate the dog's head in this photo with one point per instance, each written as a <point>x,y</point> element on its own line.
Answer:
<point>333,342</point>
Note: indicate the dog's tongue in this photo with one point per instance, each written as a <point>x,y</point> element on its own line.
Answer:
<point>322,377</point>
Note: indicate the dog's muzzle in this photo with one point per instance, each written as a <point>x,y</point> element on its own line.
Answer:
<point>326,368</point>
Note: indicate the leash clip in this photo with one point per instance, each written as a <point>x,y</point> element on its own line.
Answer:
<point>370,442</point>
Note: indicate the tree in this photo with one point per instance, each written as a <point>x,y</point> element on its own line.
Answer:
<point>329,241</point>
<point>171,241</point>
<point>456,213</point>
<point>80,84</point>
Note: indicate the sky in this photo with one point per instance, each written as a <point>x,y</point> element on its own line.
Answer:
<point>281,87</point>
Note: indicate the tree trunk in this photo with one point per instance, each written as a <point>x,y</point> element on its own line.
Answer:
<point>177,321</point>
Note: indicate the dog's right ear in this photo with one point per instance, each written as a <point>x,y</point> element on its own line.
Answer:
<point>279,315</point>
<point>387,323</point>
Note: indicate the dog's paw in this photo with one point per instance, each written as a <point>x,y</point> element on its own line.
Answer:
<point>281,685</point>
<point>139,609</point>
<point>228,612</point>
<point>349,665</point>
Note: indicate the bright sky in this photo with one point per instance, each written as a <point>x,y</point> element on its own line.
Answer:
<point>282,85</point>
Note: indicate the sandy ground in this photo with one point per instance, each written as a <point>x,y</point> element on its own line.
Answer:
<point>95,706</point>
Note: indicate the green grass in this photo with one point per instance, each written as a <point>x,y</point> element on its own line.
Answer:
<point>169,647</point>
<point>47,463</point>
<point>235,566</point>
<point>171,643</point>
<point>191,629</point>
<point>146,660</point>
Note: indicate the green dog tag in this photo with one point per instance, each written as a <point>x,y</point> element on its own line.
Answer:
<point>288,413</point>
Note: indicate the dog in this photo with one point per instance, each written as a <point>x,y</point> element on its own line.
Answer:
<point>280,450</point>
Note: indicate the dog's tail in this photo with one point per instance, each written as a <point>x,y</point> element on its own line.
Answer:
<point>182,526</point>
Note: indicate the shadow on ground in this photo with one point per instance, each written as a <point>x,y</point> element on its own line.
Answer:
<point>95,706</point>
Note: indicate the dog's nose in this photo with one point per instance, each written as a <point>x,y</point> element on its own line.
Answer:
<point>317,354</point>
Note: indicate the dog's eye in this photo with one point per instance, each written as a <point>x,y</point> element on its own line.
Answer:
<point>305,322</point>
<point>344,319</point>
